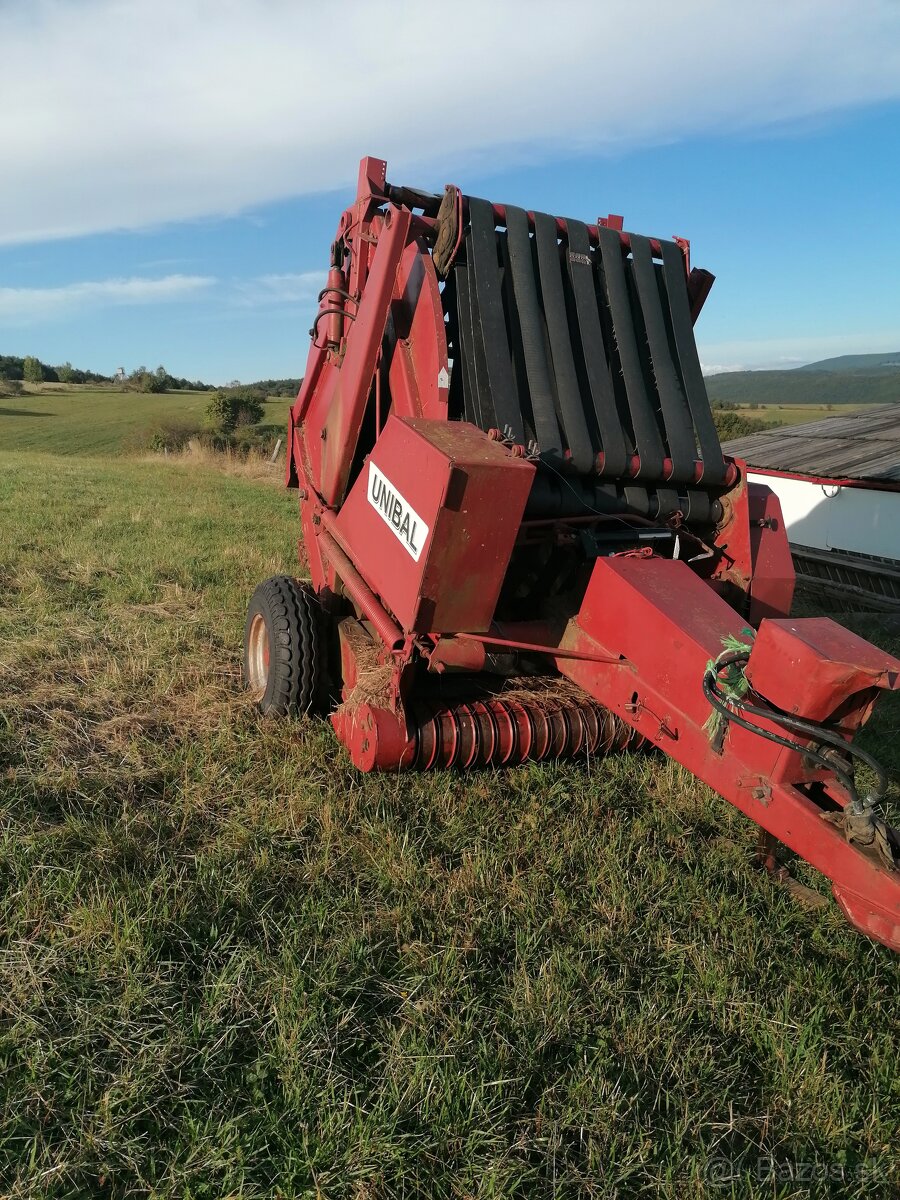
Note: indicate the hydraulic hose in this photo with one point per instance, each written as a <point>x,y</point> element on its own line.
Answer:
<point>811,729</point>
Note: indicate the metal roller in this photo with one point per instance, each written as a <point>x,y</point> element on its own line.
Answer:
<point>501,732</point>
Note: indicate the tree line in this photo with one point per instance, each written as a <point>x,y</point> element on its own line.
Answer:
<point>30,369</point>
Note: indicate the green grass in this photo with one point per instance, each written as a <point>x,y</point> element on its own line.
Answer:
<point>231,966</point>
<point>800,414</point>
<point>85,421</point>
<point>100,421</point>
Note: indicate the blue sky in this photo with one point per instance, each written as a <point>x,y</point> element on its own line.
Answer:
<point>167,218</point>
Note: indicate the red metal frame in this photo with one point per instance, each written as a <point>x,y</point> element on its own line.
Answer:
<point>415,562</point>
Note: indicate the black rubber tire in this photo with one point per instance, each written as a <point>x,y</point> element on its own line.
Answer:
<point>294,679</point>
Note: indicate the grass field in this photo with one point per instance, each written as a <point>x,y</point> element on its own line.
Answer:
<point>232,967</point>
<point>100,421</point>
<point>800,414</point>
<point>104,421</point>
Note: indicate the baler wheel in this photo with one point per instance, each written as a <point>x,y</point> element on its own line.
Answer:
<point>285,651</point>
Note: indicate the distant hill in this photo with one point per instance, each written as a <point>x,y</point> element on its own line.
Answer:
<point>856,362</point>
<point>824,386</point>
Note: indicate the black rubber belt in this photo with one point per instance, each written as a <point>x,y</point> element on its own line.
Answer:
<point>466,345</point>
<point>673,405</point>
<point>643,419</point>
<point>668,501</point>
<point>481,248</point>
<point>482,402</point>
<point>581,272</point>
<point>514,325</point>
<point>697,506</point>
<point>546,427</point>
<point>691,373</point>
<point>563,362</point>
<point>637,500</point>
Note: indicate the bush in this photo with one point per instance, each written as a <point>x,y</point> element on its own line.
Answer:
<point>730,424</point>
<point>248,414</point>
<point>218,414</point>
<point>171,433</point>
<point>231,409</point>
<point>249,439</point>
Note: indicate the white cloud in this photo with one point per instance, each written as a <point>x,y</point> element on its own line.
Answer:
<point>128,113</point>
<point>33,305</point>
<point>300,288</point>
<point>24,306</point>
<point>717,369</point>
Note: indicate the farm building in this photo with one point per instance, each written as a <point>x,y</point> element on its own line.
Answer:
<point>838,482</point>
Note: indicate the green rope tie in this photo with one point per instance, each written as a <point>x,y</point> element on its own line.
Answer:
<point>733,683</point>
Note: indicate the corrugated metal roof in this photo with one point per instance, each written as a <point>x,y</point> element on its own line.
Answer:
<point>857,446</point>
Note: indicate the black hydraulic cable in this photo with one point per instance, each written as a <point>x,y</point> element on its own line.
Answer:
<point>814,728</point>
<point>809,729</point>
<point>673,404</point>
<point>562,361</point>
<point>646,431</point>
<point>328,312</point>
<point>481,247</point>
<point>546,426</point>
<point>597,371</point>
<point>721,707</point>
<point>336,291</point>
<point>691,371</point>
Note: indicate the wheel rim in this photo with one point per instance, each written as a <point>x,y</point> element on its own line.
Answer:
<point>258,656</point>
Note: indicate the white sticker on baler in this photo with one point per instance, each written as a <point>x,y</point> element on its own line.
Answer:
<point>400,516</point>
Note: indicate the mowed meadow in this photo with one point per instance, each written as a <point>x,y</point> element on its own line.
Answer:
<point>799,414</point>
<point>79,420</point>
<point>234,967</point>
